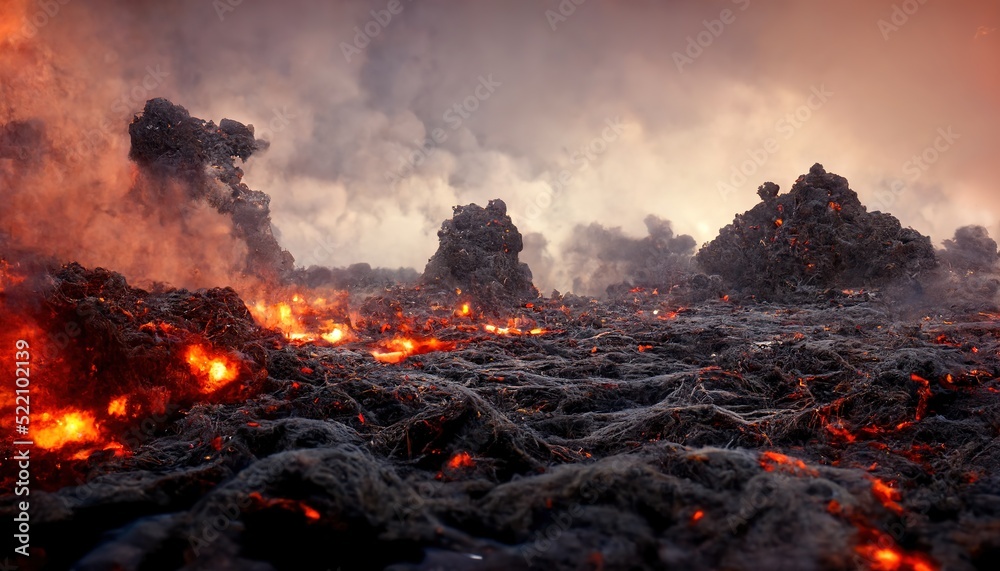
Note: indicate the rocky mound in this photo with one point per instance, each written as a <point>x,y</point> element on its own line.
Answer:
<point>478,254</point>
<point>817,234</point>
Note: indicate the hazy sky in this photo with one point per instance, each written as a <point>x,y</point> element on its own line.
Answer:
<point>572,112</point>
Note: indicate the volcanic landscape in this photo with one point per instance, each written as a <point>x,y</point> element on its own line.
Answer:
<point>816,388</point>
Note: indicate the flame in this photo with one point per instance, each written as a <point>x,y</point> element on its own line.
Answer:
<point>215,371</point>
<point>66,427</point>
<point>118,406</point>
<point>399,348</point>
<point>302,319</point>
<point>513,330</point>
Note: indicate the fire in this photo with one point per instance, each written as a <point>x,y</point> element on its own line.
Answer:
<point>303,320</point>
<point>399,348</point>
<point>67,427</point>
<point>215,371</point>
<point>884,555</point>
<point>7,276</point>
<point>835,206</point>
<point>513,330</point>
<point>118,406</point>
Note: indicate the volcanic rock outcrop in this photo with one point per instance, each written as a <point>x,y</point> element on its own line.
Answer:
<point>478,254</point>
<point>818,234</point>
<point>169,144</point>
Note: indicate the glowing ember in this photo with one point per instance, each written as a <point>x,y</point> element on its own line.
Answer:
<point>307,511</point>
<point>513,330</point>
<point>461,460</point>
<point>398,349</point>
<point>215,371</point>
<point>118,406</point>
<point>70,427</point>
<point>887,495</point>
<point>923,392</point>
<point>772,461</point>
<point>696,516</point>
<point>303,320</point>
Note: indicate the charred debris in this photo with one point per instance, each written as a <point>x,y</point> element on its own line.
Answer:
<point>764,404</point>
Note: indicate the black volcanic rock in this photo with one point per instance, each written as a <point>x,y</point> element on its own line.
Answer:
<point>818,234</point>
<point>478,254</point>
<point>169,144</point>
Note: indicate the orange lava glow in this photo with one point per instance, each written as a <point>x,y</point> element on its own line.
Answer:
<point>118,406</point>
<point>398,349</point>
<point>887,495</point>
<point>775,461</point>
<point>307,511</point>
<point>513,330</point>
<point>214,371</point>
<point>67,427</point>
<point>302,320</point>
<point>923,393</point>
<point>884,555</point>
<point>461,460</point>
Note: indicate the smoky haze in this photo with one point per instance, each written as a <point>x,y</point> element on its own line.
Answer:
<point>571,113</point>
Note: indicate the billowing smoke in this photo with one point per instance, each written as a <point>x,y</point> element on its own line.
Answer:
<point>384,114</point>
<point>599,257</point>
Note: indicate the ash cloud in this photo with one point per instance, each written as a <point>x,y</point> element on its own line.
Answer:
<point>341,131</point>
<point>600,257</point>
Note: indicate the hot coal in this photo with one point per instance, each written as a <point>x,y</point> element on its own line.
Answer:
<point>818,234</point>
<point>171,145</point>
<point>477,253</point>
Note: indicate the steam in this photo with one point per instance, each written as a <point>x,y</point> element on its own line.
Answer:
<point>570,120</point>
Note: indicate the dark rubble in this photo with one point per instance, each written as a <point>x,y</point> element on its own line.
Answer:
<point>633,434</point>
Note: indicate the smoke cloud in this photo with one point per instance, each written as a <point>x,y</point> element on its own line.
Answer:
<point>383,114</point>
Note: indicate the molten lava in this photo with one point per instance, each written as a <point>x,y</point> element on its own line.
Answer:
<point>303,320</point>
<point>213,370</point>
<point>69,426</point>
<point>398,349</point>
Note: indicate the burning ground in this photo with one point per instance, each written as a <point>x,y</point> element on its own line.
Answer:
<point>824,396</point>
